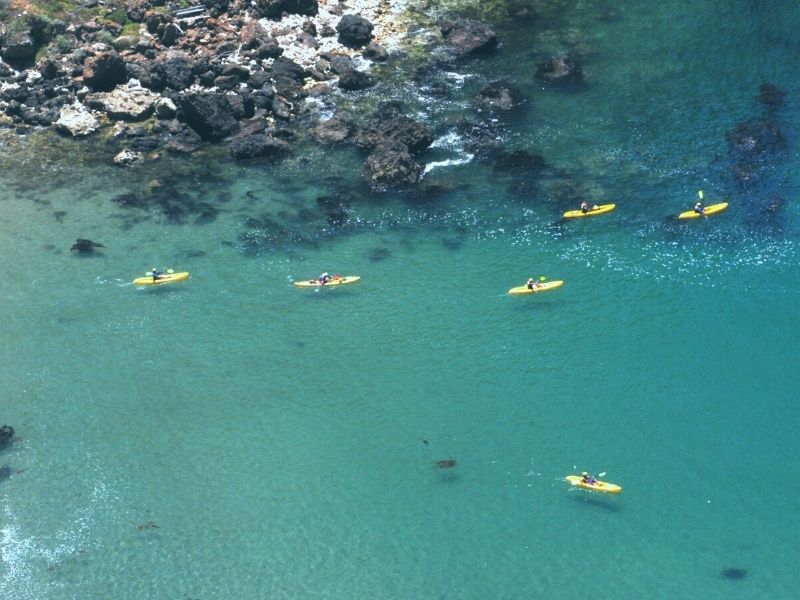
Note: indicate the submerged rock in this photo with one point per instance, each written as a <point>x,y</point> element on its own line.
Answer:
<point>447,463</point>
<point>734,573</point>
<point>335,130</point>
<point>6,433</point>
<point>84,246</point>
<point>128,157</point>
<point>497,95</point>
<point>561,69</point>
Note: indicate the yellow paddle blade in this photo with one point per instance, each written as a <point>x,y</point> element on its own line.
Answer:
<point>700,194</point>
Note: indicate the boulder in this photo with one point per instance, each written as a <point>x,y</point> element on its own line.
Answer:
<point>286,68</point>
<point>275,8</point>
<point>354,31</point>
<point>171,34</point>
<point>561,69</point>
<point>467,37</point>
<point>258,144</point>
<point>390,166</point>
<point>405,130</point>
<point>497,95</point>
<point>165,108</point>
<point>6,433</point>
<point>127,157</point>
<point>104,72</point>
<point>209,115</point>
<point>355,80</point>
<point>129,103</point>
<point>76,120</point>
<point>84,246</point>
<point>178,71</point>
<point>19,48</point>
<point>375,52</point>
<point>176,136</point>
<point>334,131</point>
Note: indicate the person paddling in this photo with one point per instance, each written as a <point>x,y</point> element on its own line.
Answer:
<point>698,207</point>
<point>156,274</point>
<point>324,278</point>
<point>585,207</point>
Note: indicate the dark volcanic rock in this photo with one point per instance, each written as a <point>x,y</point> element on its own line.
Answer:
<point>561,68</point>
<point>275,8</point>
<point>177,137</point>
<point>415,136</point>
<point>355,80</point>
<point>6,433</point>
<point>335,130</point>
<point>209,115</point>
<point>177,70</point>
<point>104,71</point>
<point>354,31</point>
<point>467,37</point>
<point>497,95</point>
<point>286,68</point>
<point>84,246</point>
<point>375,52</point>
<point>18,48</point>
<point>390,166</point>
<point>258,144</point>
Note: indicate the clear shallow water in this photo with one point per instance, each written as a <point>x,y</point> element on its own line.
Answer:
<point>274,436</point>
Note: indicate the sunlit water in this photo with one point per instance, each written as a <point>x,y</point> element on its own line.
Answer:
<point>235,437</point>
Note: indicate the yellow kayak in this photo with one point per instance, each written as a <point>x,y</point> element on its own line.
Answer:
<point>595,210</point>
<point>336,280</point>
<point>710,210</point>
<point>164,278</point>
<point>597,486</point>
<point>541,287</point>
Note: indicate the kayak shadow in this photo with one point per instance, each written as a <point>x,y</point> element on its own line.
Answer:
<point>597,501</point>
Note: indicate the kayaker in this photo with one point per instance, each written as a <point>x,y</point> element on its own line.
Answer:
<point>586,478</point>
<point>585,207</point>
<point>324,278</point>
<point>156,274</point>
<point>532,283</point>
<point>699,208</point>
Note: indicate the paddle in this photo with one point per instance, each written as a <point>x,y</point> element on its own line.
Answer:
<point>700,194</point>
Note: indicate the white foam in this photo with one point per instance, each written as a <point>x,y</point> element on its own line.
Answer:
<point>447,163</point>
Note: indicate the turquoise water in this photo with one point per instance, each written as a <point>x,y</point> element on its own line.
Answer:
<point>234,437</point>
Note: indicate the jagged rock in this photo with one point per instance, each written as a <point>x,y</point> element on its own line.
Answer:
<point>18,47</point>
<point>286,68</point>
<point>275,8</point>
<point>76,120</point>
<point>171,34</point>
<point>6,433</point>
<point>282,108</point>
<point>258,144</point>
<point>49,69</point>
<point>84,246</point>
<point>562,68</point>
<point>130,103</point>
<point>127,157</point>
<point>354,31</point>
<point>335,130</point>
<point>497,95</point>
<point>467,37</point>
<point>177,70</point>
<point>390,166</point>
<point>165,108</point>
<point>375,52</point>
<point>103,72</point>
<point>355,80</point>
<point>177,137</point>
<point>415,136</point>
<point>209,115</point>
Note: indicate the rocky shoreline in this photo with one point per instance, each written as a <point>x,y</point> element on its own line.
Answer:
<point>254,76</point>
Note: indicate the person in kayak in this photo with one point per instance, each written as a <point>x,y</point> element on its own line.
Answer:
<point>586,478</point>
<point>156,274</point>
<point>532,283</point>
<point>699,208</point>
<point>324,278</point>
<point>585,207</point>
